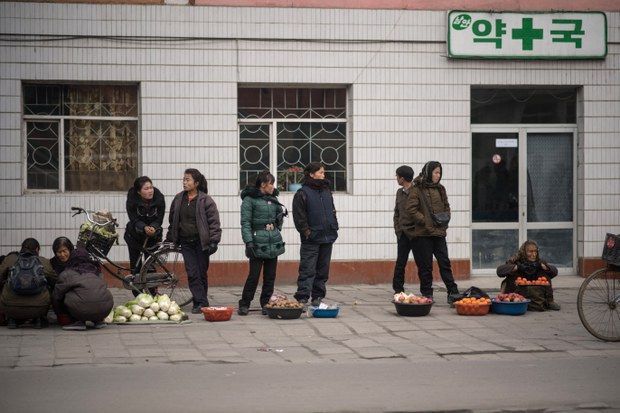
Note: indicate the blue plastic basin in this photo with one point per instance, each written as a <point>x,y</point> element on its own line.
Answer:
<point>509,308</point>
<point>324,313</point>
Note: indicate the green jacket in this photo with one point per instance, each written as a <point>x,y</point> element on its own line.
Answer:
<point>258,210</point>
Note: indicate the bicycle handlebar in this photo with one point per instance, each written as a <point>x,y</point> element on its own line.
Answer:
<point>88,213</point>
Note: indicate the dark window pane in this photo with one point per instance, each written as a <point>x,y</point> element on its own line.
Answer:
<point>292,103</point>
<point>42,155</point>
<point>42,100</point>
<point>253,152</point>
<point>495,177</point>
<point>249,98</point>
<point>556,105</point>
<point>302,143</point>
<point>555,245</point>
<point>491,248</point>
<point>278,98</point>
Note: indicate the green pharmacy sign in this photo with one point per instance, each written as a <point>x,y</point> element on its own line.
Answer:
<point>477,35</point>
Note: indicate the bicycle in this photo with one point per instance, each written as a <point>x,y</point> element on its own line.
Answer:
<point>598,300</point>
<point>161,267</point>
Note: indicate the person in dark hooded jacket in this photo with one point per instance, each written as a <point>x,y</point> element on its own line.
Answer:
<point>427,198</point>
<point>81,292</point>
<point>315,219</point>
<point>527,263</point>
<point>261,222</point>
<point>146,207</point>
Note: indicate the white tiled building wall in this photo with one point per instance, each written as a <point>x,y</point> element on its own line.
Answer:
<point>409,104</point>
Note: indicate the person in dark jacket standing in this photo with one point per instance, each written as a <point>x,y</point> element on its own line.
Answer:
<point>82,293</point>
<point>146,207</point>
<point>261,222</point>
<point>403,226</point>
<point>315,220</point>
<point>527,263</point>
<point>195,225</point>
<point>428,198</point>
<point>18,307</point>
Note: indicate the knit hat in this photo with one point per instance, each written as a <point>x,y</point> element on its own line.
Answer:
<point>405,172</point>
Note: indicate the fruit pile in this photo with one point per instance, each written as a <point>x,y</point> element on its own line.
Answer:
<point>405,298</point>
<point>472,301</point>
<point>510,297</point>
<point>539,281</point>
<point>473,306</point>
<point>284,303</point>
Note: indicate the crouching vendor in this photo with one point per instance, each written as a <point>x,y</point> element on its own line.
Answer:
<point>527,269</point>
<point>81,292</point>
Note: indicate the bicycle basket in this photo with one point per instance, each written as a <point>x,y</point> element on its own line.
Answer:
<point>611,249</point>
<point>95,242</point>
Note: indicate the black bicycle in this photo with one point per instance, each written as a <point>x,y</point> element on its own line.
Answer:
<point>161,267</point>
<point>598,301</point>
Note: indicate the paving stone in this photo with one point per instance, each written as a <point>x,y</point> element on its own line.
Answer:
<point>298,355</point>
<point>331,349</point>
<point>482,356</point>
<point>376,353</point>
<point>147,352</point>
<point>360,343</point>
<point>66,361</point>
<point>586,353</point>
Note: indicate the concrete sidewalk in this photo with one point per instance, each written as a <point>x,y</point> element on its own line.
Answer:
<point>367,329</point>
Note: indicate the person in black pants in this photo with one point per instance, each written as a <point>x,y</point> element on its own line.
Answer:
<point>315,219</point>
<point>145,207</point>
<point>403,227</point>
<point>195,225</point>
<point>261,222</point>
<point>427,199</point>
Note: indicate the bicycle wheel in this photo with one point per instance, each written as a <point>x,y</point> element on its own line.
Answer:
<point>164,270</point>
<point>597,303</point>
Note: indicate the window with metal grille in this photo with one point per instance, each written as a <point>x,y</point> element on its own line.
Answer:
<point>80,137</point>
<point>284,129</point>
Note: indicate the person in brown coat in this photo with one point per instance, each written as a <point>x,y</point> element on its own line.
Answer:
<point>81,292</point>
<point>427,198</point>
<point>195,225</point>
<point>526,263</point>
<point>403,226</point>
<point>17,307</point>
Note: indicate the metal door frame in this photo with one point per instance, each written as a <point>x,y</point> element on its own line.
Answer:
<point>522,226</point>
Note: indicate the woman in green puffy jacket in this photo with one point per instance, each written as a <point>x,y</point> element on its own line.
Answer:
<point>261,222</point>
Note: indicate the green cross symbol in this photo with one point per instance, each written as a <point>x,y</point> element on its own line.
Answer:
<point>527,33</point>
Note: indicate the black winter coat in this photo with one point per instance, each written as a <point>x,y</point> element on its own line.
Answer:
<point>142,214</point>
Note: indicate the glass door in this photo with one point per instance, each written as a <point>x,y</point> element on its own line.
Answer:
<point>550,195</point>
<point>495,197</point>
<point>523,184</point>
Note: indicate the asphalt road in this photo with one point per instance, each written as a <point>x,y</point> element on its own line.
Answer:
<point>561,384</point>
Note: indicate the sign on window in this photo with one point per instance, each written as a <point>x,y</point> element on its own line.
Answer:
<point>527,35</point>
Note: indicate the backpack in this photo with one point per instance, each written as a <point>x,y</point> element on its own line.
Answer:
<point>27,277</point>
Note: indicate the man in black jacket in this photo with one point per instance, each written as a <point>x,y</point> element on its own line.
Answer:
<point>403,227</point>
<point>315,220</point>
